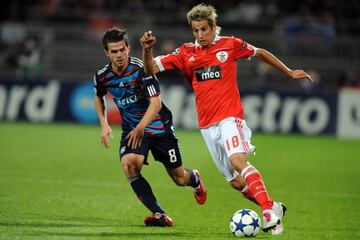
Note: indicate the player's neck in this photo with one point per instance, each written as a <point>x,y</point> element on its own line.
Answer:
<point>119,70</point>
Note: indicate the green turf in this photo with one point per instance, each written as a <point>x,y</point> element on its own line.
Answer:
<point>57,182</point>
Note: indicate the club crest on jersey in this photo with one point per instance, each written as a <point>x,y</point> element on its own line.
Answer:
<point>222,56</point>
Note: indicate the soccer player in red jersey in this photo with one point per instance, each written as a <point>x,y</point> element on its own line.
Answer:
<point>209,65</point>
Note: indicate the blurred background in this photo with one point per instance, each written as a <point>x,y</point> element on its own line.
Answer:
<point>50,49</point>
<point>57,182</point>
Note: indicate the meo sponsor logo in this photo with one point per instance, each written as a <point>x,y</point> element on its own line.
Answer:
<point>208,73</point>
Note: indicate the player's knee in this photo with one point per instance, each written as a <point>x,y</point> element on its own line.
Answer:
<point>233,184</point>
<point>130,167</point>
<point>239,160</point>
<point>130,170</point>
<point>238,184</point>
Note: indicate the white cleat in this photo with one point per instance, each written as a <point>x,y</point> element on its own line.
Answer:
<point>270,220</point>
<point>278,229</point>
<point>279,209</point>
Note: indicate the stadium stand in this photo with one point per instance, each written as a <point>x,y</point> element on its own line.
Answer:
<point>319,36</point>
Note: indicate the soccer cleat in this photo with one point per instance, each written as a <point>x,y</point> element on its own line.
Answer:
<point>278,229</point>
<point>158,220</point>
<point>270,220</point>
<point>200,191</point>
<point>279,209</point>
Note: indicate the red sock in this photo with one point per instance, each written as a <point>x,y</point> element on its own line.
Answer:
<point>257,187</point>
<point>247,194</point>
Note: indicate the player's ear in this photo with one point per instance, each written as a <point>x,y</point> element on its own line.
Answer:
<point>106,53</point>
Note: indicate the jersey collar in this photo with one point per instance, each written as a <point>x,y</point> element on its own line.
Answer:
<point>216,38</point>
<point>117,73</point>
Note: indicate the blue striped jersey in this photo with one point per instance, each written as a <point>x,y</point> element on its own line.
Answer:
<point>131,92</point>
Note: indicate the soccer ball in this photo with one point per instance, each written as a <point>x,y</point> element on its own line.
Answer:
<point>245,223</point>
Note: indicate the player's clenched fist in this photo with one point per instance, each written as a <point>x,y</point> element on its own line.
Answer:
<point>147,40</point>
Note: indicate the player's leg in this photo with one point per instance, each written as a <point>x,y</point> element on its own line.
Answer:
<point>236,139</point>
<point>131,164</point>
<point>223,140</point>
<point>132,161</point>
<point>214,142</point>
<point>257,188</point>
<point>192,178</point>
<point>253,179</point>
<point>166,150</point>
<point>212,138</point>
<point>239,184</point>
<point>183,177</point>
<point>279,208</point>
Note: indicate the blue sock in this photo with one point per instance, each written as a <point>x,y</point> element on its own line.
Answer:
<point>144,193</point>
<point>194,180</point>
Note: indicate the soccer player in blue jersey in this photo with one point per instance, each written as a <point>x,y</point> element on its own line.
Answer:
<point>146,124</point>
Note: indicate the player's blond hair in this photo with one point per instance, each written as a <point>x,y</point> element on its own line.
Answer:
<point>203,12</point>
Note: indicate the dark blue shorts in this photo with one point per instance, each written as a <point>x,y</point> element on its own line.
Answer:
<point>164,148</point>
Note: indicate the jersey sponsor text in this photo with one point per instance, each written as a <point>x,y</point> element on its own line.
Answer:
<point>208,73</point>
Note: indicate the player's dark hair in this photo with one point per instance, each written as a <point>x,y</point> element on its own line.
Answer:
<point>115,34</point>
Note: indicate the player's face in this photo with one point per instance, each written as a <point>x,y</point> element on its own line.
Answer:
<point>118,53</point>
<point>203,32</point>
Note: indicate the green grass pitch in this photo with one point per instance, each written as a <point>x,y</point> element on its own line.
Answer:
<point>57,182</point>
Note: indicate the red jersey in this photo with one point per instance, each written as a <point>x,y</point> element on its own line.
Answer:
<point>212,74</point>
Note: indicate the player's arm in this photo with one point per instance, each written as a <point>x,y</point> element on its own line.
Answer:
<point>269,58</point>
<point>147,42</point>
<point>106,131</point>
<point>135,136</point>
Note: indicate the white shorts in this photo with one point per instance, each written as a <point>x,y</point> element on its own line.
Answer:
<point>225,138</point>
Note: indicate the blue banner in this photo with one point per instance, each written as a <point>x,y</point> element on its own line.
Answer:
<point>266,111</point>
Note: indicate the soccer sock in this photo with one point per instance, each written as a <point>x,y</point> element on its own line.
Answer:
<point>144,193</point>
<point>257,187</point>
<point>194,180</point>
<point>246,192</point>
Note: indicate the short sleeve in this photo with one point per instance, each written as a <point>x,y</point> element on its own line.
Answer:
<point>171,61</point>
<point>99,88</point>
<point>151,86</point>
<point>243,49</point>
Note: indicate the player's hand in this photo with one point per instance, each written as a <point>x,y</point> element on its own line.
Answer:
<point>106,135</point>
<point>300,74</point>
<point>147,40</point>
<point>135,137</point>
